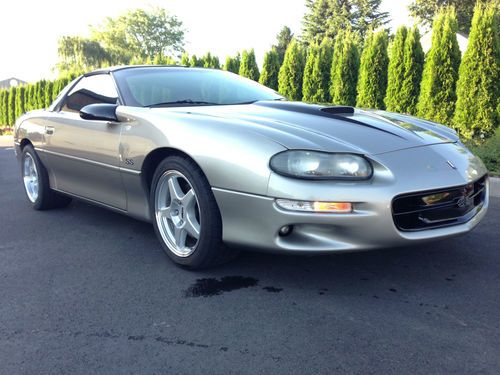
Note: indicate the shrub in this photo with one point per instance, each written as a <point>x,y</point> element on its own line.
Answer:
<point>489,152</point>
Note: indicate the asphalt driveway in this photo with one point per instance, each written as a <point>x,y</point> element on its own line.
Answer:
<point>84,290</point>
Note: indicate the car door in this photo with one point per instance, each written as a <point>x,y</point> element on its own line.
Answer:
<point>82,155</point>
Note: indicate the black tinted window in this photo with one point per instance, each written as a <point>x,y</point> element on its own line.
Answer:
<point>91,90</point>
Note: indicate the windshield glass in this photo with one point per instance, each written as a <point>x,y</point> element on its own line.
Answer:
<point>171,86</point>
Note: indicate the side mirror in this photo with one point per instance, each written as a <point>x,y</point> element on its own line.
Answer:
<point>99,111</point>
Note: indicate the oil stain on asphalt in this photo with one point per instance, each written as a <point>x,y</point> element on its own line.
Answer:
<point>214,287</point>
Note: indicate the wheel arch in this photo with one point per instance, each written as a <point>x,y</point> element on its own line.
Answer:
<point>25,142</point>
<point>154,158</point>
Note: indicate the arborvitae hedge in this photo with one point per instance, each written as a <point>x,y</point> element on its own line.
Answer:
<point>233,63</point>
<point>248,66</point>
<point>437,93</point>
<point>48,93</point>
<point>19,105</point>
<point>185,59</point>
<point>414,65</point>
<point>3,107</point>
<point>291,72</point>
<point>309,85</point>
<point>396,71</point>
<point>478,89</point>
<point>372,82</point>
<point>12,105</point>
<point>270,69</point>
<point>344,70</point>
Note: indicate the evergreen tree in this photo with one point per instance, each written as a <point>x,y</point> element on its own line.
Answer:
<point>372,82</point>
<point>437,92</point>
<point>162,59</point>
<point>48,93</point>
<point>195,62</point>
<point>283,39</point>
<point>344,71</point>
<point>233,63</point>
<point>291,73</point>
<point>210,61</point>
<point>19,106</point>
<point>478,89</point>
<point>41,94</point>
<point>6,107</point>
<point>425,11</point>
<point>320,78</point>
<point>310,84</point>
<point>270,69</point>
<point>414,64</point>
<point>185,59</point>
<point>12,106</point>
<point>326,18</point>
<point>2,108</point>
<point>248,66</point>
<point>396,71</point>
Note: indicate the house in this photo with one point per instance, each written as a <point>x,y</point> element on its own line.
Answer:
<point>11,82</point>
<point>462,38</point>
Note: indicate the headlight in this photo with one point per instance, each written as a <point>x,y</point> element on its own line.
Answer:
<point>321,165</point>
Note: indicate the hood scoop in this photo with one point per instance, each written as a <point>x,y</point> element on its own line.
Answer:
<point>338,109</point>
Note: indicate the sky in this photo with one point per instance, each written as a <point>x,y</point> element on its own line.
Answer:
<point>29,30</point>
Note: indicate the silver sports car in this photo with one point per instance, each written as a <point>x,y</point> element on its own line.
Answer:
<point>213,159</point>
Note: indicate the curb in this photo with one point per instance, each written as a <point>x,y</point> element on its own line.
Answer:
<point>495,187</point>
<point>6,141</point>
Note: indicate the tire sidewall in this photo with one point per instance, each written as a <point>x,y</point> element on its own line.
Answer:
<point>210,221</point>
<point>42,177</point>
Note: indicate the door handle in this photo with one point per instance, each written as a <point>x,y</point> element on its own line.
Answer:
<point>49,130</point>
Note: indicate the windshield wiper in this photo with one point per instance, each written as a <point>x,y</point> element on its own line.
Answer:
<point>184,101</point>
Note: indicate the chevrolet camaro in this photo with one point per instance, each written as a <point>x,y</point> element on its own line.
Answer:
<point>213,160</point>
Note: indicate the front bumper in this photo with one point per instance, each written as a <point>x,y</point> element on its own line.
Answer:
<point>254,220</point>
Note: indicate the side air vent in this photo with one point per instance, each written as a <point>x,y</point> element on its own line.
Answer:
<point>338,109</point>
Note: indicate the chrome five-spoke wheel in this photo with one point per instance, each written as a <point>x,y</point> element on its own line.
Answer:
<point>30,177</point>
<point>177,213</point>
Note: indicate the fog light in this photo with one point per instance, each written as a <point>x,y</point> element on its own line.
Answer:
<point>286,230</point>
<point>308,206</point>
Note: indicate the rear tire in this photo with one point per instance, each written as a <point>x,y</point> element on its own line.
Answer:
<point>185,215</point>
<point>36,183</point>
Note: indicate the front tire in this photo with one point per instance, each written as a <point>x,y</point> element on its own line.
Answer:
<point>185,214</point>
<point>36,183</point>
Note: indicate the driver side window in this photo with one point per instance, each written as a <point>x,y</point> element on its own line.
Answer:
<point>91,90</point>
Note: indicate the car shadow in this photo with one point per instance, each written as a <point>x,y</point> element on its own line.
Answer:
<point>433,266</point>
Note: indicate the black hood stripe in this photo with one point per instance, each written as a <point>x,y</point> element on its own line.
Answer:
<point>318,110</point>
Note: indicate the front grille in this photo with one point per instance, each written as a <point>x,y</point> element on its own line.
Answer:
<point>438,208</point>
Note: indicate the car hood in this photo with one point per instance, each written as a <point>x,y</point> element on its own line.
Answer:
<point>298,125</point>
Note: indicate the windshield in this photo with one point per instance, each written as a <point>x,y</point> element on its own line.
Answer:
<point>176,86</point>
